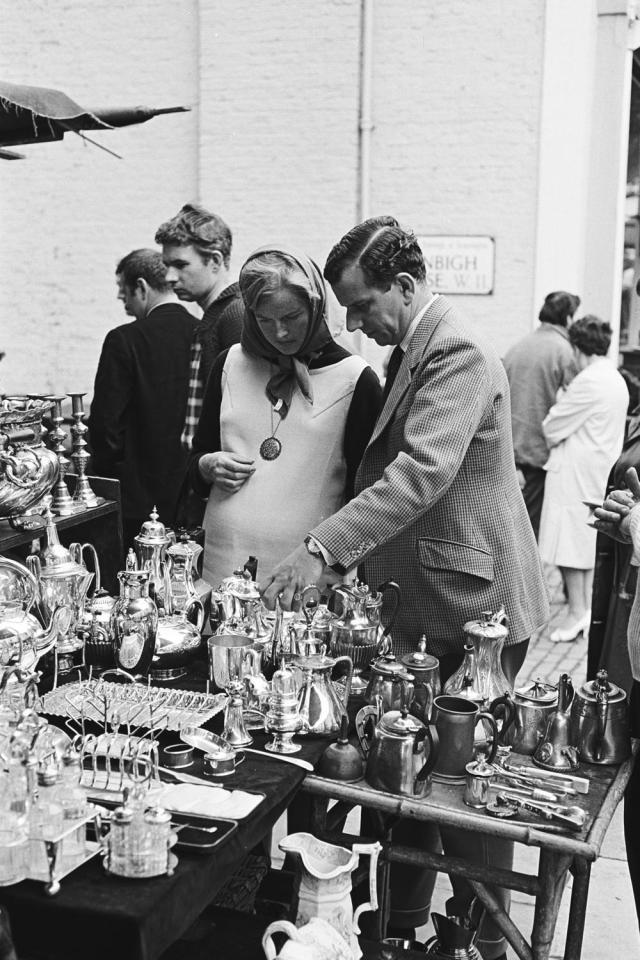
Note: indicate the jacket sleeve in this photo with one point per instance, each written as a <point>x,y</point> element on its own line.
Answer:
<point>206,439</point>
<point>365,406</point>
<point>453,390</point>
<point>112,396</point>
<point>230,324</point>
<point>569,413</point>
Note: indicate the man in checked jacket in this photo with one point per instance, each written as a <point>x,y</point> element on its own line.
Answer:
<point>437,507</point>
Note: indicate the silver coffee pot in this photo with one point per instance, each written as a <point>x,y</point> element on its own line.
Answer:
<point>151,545</point>
<point>358,632</point>
<point>238,599</point>
<point>134,622</point>
<point>318,702</point>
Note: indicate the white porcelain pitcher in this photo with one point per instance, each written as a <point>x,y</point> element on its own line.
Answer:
<point>324,873</point>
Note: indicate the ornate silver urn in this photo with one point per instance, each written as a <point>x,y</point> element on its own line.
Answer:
<point>28,470</point>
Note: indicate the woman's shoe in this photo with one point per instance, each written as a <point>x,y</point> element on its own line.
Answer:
<point>569,634</point>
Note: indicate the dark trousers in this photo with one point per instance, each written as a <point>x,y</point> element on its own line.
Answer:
<point>412,887</point>
<point>533,493</point>
<point>632,805</point>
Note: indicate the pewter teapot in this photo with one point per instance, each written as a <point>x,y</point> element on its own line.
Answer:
<point>533,705</point>
<point>392,687</point>
<point>600,721</point>
<point>400,753</point>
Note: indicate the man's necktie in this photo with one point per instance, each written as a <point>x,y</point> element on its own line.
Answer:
<point>392,370</point>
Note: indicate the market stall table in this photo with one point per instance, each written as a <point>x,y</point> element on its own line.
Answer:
<point>102,917</point>
<point>560,852</point>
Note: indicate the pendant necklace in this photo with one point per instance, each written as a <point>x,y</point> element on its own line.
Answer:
<point>271,448</point>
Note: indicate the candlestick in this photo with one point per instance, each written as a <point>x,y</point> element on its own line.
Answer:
<point>62,503</point>
<point>84,495</point>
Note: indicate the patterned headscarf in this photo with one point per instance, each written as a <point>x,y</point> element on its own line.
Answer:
<point>292,369</point>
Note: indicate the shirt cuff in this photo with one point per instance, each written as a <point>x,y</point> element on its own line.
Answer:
<point>634,532</point>
<point>327,556</point>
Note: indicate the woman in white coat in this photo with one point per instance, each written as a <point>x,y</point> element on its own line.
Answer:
<point>585,431</point>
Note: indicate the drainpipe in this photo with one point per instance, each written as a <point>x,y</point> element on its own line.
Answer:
<point>365,119</point>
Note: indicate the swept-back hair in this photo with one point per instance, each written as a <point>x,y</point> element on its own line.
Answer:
<point>381,248</point>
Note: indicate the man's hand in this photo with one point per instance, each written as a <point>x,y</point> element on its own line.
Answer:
<point>290,577</point>
<point>521,480</point>
<point>225,470</point>
<point>612,517</point>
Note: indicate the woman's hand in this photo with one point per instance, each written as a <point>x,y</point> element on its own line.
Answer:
<point>225,470</point>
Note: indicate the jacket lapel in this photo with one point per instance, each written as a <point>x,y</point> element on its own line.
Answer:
<point>415,352</point>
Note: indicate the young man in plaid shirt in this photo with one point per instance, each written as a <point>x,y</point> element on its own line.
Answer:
<point>196,249</point>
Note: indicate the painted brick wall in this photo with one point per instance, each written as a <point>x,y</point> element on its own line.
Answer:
<point>272,146</point>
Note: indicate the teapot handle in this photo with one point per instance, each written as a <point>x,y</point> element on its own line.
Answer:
<point>489,717</point>
<point>422,703</point>
<point>347,683</point>
<point>27,574</point>
<point>195,604</point>
<point>278,926</point>
<point>504,706</point>
<point>364,717</point>
<point>395,589</point>
<point>430,734</point>
<point>373,850</point>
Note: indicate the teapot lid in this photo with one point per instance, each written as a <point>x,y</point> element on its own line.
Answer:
<point>538,690</point>
<point>419,658</point>
<point>184,547</point>
<point>400,723</point>
<point>388,666</point>
<point>152,531</point>
<point>602,684</point>
<point>315,661</point>
<point>490,626</point>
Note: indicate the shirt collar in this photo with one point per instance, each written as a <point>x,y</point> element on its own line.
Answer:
<point>406,340</point>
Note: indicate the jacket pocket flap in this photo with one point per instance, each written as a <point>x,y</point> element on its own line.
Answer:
<point>447,555</point>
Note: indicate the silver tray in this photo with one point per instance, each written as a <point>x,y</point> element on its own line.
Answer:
<point>133,704</point>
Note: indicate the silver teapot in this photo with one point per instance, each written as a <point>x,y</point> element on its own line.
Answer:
<point>400,753</point>
<point>178,642</point>
<point>61,582</point>
<point>24,639</point>
<point>238,599</point>
<point>28,470</point>
<point>533,705</point>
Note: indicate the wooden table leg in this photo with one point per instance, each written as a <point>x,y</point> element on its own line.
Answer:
<point>552,876</point>
<point>501,919</point>
<point>581,871</point>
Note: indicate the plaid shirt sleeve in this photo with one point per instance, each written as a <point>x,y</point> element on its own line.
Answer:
<point>194,397</point>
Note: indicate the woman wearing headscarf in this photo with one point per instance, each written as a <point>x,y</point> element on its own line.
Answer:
<point>286,416</point>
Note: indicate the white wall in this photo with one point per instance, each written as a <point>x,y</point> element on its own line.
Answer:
<point>70,211</point>
<point>272,145</point>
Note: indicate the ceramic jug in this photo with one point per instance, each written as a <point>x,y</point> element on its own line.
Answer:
<point>324,874</point>
<point>316,940</point>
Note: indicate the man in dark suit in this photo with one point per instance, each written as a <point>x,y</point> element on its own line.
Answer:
<point>140,393</point>
<point>438,506</point>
